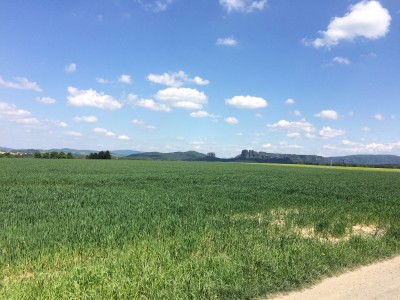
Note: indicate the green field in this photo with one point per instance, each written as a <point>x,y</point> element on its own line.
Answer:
<point>87,229</point>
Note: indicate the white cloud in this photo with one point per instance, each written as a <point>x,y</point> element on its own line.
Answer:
<point>72,133</point>
<point>328,132</point>
<point>328,114</point>
<point>246,6</point>
<point>379,117</point>
<point>289,101</point>
<point>247,102</point>
<point>86,119</point>
<point>293,128</point>
<point>176,79</point>
<point>11,113</point>
<point>144,125</point>
<point>148,103</point>
<point>200,81</point>
<point>366,129</point>
<point>46,100</point>
<point>297,113</point>
<point>357,148</point>
<point>104,132</point>
<point>155,5</point>
<point>367,19</point>
<point>91,98</point>
<point>124,78</point>
<point>201,114</point>
<point>71,68</point>
<point>341,60</point>
<point>123,138</point>
<point>20,83</point>
<point>182,98</point>
<point>61,124</point>
<point>231,120</point>
<point>228,41</point>
<point>101,80</point>
<point>294,135</point>
<point>267,146</point>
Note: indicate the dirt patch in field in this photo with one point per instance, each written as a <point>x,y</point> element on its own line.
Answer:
<point>284,219</point>
<point>361,230</point>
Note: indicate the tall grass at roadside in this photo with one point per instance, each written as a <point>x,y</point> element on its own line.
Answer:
<point>177,230</point>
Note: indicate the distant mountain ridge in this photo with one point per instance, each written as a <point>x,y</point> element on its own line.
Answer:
<point>245,156</point>
<point>76,152</point>
<point>184,156</point>
<point>365,159</point>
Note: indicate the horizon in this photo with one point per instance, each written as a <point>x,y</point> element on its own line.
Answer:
<point>205,153</point>
<point>304,78</point>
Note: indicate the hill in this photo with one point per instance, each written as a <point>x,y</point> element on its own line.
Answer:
<point>365,159</point>
<point>184,156</point>
<point>78,153</point>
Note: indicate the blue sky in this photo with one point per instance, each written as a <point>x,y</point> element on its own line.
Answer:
<point>305,77</point>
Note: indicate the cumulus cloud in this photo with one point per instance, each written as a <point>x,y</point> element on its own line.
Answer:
<point>328,132</point>
<point>379,117</point>
<point>366,129</point>
<point>101,80</point>
<point>11,113</point>
<point>367,19</point>
<point>182,98</point>
<point>103,131</point>
<point>61,124</point>
<point>297,113</point>
<point>91,98</point>
<point>341,60</point>
<point>46,100</point>
<point>201,114</point>
<point>293,129</point>
<point>123,138</point>
<point>71,68</point>
<point>228,41</point>
<point>328,114</point>
<point>148,103</point>
<point>124,78</point>
<point>20,83</point>
<point>347,146</point>
<point>247,102</point>
<point>155,5</point>
<point>144,125</point>
<point>232,120</point>
<point>289,101</point>
<point>86,119</point>
<point>246,6</point>
<point>176,79</point>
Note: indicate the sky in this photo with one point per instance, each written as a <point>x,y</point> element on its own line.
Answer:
<point>281,76</point>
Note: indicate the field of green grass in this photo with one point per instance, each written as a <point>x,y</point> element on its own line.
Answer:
<point>118,229</point>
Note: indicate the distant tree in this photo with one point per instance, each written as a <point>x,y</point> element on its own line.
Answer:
<point>69,155</point>
<point>211,155</point>
<point>100,155</point>
<point>38,154</point>
<point>46,155</point>
<point>62,155</point>
<point>107,155</point>
<point>54,154</point>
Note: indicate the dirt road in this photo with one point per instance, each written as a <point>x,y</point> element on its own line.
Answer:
<point>377,281</point>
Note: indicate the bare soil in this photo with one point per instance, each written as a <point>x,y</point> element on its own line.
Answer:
<point>377,281</point>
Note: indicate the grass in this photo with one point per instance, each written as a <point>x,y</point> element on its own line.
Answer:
<point>82,229</point>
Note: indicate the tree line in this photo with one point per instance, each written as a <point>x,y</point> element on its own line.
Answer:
<point>54,155</point>
<point>100,155</point>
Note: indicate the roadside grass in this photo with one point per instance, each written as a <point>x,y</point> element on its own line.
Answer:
<point>177,230</point>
